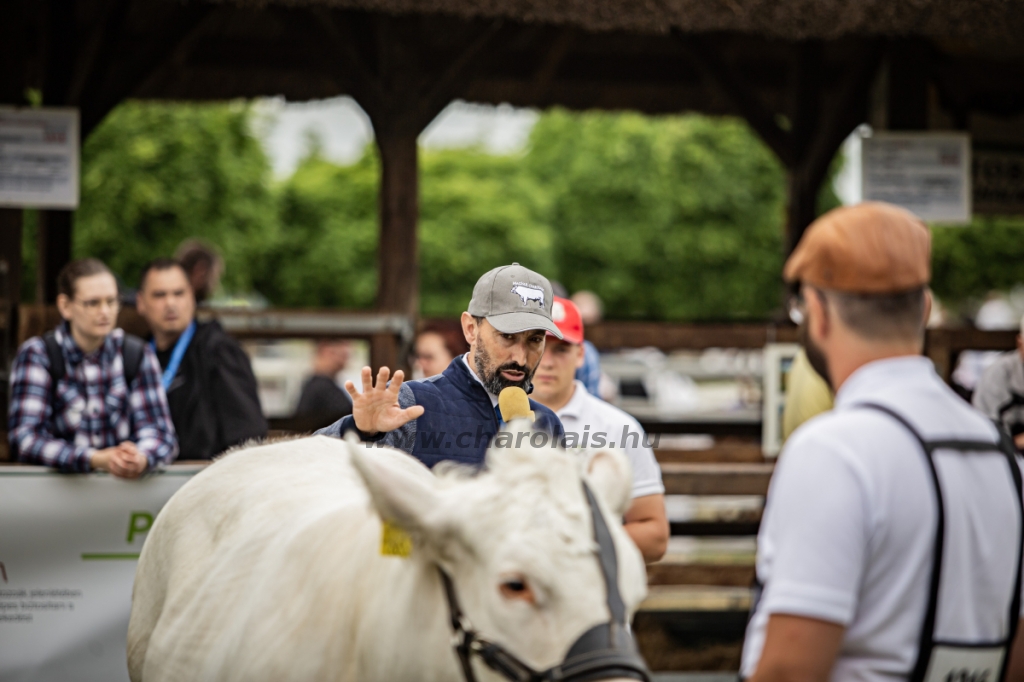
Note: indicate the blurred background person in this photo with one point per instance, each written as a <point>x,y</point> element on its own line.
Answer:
<point>995,314</point>
<point>323,402</point>
<point>434,349</point>
<point>203,265</point>
<point>555,386</point>
<point>591,310</point>
<point>1000,391</point>
<point>86,396</point>
<point>208,378</point>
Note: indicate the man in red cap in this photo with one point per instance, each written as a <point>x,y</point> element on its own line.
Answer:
<point>592,423</point>
<point>891,543</point>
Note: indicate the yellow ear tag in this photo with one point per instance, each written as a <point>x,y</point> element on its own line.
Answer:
<point>394,541</point>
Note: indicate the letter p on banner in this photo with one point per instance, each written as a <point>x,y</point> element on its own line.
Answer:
<point>139,524</point>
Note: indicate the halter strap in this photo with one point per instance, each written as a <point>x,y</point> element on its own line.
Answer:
<point>605,648</point>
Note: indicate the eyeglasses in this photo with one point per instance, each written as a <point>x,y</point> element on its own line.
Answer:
<point>92,305</point>
<point>796,307</point>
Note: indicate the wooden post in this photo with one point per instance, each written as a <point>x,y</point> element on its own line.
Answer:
<point>10,296</point>
<point>821,116</point>
<point>801,205</point>
<point>53,252</point>
<point>907,92</point>
<point>401,91</point>
<point>398,250</point>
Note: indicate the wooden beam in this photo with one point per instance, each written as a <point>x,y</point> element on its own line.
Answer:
<point>677,573</point>
<point>719,74</point>
<point>122,84</point>
<point>10,275</point>
<point>716,479</point>
<point>437,92</point>
<point>907,92</point>
<point>840,112</point>
<point>669,336</point>
<point>102,48</point>
<point>398,248</point>
<point>60,51</point>
<point>53,252</point>
<point>552,59</point>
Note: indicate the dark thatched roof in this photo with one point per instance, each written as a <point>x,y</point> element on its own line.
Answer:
<point>974,23</point>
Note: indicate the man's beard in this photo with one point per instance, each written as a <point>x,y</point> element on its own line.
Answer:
<point>815,355</point>
<point>492,379</point>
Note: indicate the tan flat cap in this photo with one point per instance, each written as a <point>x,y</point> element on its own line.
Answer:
<point>870,248</point>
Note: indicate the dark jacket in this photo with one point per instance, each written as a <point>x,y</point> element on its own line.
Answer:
<point>322,402</point>
<point>213,397</point>
<point>458,420</point>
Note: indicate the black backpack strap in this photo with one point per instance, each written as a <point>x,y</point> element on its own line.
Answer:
<point>927,637</point>
<point>55,354</point>
<point>132,352</point>
<point>1006,447</point>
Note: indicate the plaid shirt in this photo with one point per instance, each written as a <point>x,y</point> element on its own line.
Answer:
<point>92,407</point>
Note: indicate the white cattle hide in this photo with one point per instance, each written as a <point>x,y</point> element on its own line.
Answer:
<point>267,566</point>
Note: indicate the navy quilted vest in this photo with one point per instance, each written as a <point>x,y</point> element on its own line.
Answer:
<point>459,422</point>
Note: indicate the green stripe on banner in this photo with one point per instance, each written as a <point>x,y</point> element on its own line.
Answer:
<point>110,556</point>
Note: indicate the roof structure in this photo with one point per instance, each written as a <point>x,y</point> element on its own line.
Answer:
<point>803,73</point>
<point>984,24</point>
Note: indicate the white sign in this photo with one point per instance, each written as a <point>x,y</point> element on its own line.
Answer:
<point>39,158</point>
<point>926,173</point>
<point>69,545</point>
<point>778,361</point>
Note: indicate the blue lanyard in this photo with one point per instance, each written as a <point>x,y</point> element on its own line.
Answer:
<point>176,355</point>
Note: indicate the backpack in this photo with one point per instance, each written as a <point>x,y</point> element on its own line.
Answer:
<point>132,352</point>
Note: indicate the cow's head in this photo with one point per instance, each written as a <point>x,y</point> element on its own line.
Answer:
<point>517,539</point>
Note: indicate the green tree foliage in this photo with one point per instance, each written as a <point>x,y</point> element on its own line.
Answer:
<point>670,218</point>
<point>477,212</point>
<point>154,174</point>
<point>968,262</point>
<point>665,218</point>
<point>322,251</point>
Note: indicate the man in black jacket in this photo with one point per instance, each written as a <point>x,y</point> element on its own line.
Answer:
<point>209,382</point>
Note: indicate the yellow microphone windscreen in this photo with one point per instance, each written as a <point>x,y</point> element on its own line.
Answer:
<point>514,404</point>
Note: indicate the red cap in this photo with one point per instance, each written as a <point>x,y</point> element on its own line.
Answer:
<point>567,318</point>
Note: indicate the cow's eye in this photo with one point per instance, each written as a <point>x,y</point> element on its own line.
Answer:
<point>516,587</point>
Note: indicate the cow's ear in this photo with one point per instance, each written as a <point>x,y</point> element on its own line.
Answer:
<point>610,476</point>
<point>403,491</point>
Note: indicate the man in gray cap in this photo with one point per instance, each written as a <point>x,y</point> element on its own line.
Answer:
<point>454,415</point>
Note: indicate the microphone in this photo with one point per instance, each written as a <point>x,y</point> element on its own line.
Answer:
<point>514,404</point>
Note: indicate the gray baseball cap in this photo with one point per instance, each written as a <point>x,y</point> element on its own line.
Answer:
<point>514,299</point>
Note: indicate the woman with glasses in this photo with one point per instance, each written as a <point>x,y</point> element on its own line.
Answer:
<point>86,396</point>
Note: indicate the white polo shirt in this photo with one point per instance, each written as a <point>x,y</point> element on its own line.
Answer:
<point>849,524</point>
<point>602,424</point>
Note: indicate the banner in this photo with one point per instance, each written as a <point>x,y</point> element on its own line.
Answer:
<point>69,544</point>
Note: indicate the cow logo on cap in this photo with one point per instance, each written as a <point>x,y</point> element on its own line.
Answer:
<point>528,292</point>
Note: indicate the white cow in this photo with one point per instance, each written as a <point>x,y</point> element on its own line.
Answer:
<point>268,565</point>
<point>528,293</point>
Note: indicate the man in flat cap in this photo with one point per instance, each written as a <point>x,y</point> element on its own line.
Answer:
<point>891,543</point>
<point>454,415</point>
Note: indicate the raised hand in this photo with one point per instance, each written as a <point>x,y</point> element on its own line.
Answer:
<point>376,409</point>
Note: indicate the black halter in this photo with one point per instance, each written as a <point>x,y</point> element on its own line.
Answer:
<point>602,652</point>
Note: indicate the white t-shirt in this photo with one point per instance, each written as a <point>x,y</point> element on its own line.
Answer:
<point>599,424</point>
<point>849,524</point>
